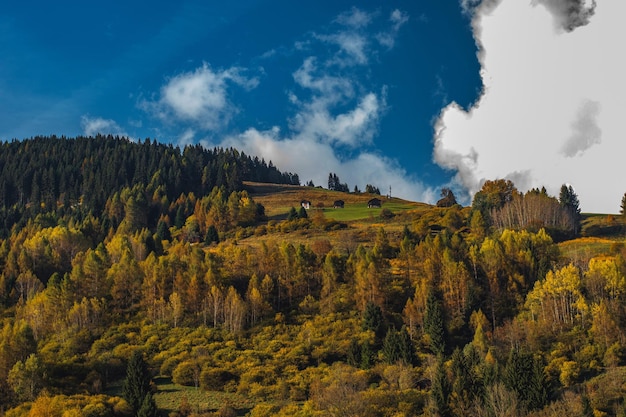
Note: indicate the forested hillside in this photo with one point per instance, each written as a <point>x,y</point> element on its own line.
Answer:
<point>159,287</point>
<point>81,175</point>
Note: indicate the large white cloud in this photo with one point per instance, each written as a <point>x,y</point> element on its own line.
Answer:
<point>554,96</point>
<point>199,97</point>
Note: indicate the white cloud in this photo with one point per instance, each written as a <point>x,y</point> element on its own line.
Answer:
<point>334,88</point>
<point>352,39</point>
<point>199,97</point>
<point>586,131</point>
<point>97,125</point>
<point>318,117</point>
<point>355,18</point>
<point>352,48</point>
<point>552,106</point>
<point>397,18</point>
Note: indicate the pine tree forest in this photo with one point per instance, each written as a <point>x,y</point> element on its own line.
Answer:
<point>138,278</point>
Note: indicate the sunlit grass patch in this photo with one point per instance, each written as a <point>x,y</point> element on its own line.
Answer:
<point>170,396</point>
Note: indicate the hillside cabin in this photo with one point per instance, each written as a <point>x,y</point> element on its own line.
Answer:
<point>374,203</point>
<point>338,204</point>
<point>306,204</point>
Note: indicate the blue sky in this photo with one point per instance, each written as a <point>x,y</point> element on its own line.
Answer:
<point>415,95</point>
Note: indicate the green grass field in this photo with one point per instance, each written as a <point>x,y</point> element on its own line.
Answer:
<point>360,211</point>
<point>586,248</point>
<point>279,199</point>
<point>170,396</point>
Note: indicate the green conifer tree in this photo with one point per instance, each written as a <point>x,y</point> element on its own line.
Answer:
<point>354,353</point>
<point>137,382</point>
<point>373,319</point>
<point>211,235</point>
<point>391,346</point>
<point>148,407</point>
<point>433,324</point>
<point>440,390</point>
<point>367,356</point>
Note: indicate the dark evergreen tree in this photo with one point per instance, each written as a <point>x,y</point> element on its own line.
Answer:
<point>373,320</point>
<point>441,389</point>
<point>524,375</point>
<point>148,407</point>
<point>163,231</point>
<point>212,236</point>
<point>391,346</point>
<point>433,324</point>
<point>369,188</point>
<point>569,200</point>
<point>538,391</point>
<point>179,220</point>
<point>137,383</point>
<point>367,356</point>
<point>331,181</point>
<point>354,353</point>
<point>406,348</point>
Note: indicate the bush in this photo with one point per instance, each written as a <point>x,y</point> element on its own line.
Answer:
<point>187,373</point>
<point>214,379</point>
<point>386,214</point>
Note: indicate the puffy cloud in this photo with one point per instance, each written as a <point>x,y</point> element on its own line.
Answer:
<point>552,105</point>
<point>97,125</point>
<point>199,96</point>
<point>586,131</point>
<point>318,117</point>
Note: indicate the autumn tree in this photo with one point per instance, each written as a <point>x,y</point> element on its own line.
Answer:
<point>27,378</point>
<point>447,198</point>
<point>558,300</point>
<point>493,195</point>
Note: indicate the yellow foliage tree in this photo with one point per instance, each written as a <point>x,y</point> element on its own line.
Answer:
<point>558,300</point>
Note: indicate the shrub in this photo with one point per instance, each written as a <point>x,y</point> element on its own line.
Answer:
<point>214,379</point>
<point>187,373</point>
